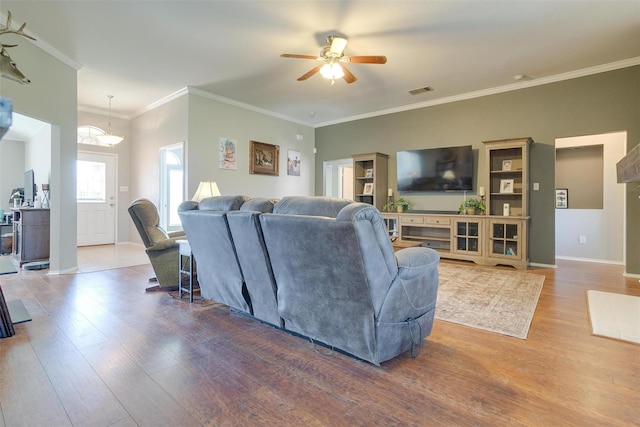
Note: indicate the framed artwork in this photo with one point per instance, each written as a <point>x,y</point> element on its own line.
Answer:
<point>227,149</point>
<point>293,163</point>
<point>368,188</point>
<point>506,185</point>
<point>368,173</point>
<point>562,198</point>
<point>506,165</point>
<point>263,158</point>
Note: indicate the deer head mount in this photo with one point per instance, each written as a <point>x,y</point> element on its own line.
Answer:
<point>8,68</point>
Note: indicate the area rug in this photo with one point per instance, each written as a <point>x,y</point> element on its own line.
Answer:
<point>501,301</point>
<point>614,315</point>
<point>6,267</point>
<point>18,312</point>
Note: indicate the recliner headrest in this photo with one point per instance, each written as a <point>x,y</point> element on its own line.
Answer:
<point>222,203</point>
<point>311,205</point>
<point>259,204</point>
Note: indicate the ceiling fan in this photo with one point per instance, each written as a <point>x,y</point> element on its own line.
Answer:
<point>332,57</point>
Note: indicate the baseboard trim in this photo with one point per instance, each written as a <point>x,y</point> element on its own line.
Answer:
<point>537,264</point>
<point>599,261</point>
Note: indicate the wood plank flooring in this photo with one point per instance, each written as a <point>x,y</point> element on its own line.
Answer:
<point>102,352</point>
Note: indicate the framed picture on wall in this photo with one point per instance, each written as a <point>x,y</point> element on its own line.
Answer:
<point>263,158</point>
<point>293,163</point>
<point>368,188</point>
<point>562,198</point>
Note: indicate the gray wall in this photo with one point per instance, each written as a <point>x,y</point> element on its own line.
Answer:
<point>595,104</point>
<point>12,171</point>
<point>199,122</point>
<point>162,126</point>
<point>209,120</point>
<point>580,171</point>
<point>52,98</point>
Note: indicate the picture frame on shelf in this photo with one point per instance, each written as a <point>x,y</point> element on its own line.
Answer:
<point>368,189</point>
<point>506,186</point>
<point>264,158</point>
<point>368,173</point>
<point>562,198</point>
<point>506,165</point>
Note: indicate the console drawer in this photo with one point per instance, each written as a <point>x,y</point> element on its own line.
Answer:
<point>412,219</point>
<point>435,220</point>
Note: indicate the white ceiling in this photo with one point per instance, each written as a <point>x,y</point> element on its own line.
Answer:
<point>144,51</point>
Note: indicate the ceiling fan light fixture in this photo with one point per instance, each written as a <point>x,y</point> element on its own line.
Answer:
<point>109,138</point>
<point>332,71</point>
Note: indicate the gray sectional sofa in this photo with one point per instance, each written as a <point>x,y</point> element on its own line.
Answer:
<point>320,267</point>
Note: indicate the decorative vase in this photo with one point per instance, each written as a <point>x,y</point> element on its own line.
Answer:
<point>471,211</point>
<point>400,209</point>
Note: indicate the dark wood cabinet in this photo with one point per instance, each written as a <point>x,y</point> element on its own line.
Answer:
<point>31,234</point>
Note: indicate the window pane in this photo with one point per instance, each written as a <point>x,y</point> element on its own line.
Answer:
<point>92,182</point>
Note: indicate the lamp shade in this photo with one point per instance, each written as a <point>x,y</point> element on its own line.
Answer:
<point>206,189</point>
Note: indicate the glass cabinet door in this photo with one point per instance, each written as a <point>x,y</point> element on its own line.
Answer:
<point>504,238</point>
<point>468,237</point>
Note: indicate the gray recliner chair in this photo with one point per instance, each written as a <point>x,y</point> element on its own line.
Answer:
<point>219,273</point>
<point>160,246</point>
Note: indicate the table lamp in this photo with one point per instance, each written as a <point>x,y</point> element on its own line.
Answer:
<point>206,189</point>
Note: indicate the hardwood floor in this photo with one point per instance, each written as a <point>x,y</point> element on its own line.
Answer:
<point>100,352</point>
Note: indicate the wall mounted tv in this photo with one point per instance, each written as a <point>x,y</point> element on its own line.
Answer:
<point>435,169</point>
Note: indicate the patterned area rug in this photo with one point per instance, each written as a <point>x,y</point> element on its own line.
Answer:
<point>501,301</point>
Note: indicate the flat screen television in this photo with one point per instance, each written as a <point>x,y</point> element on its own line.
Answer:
<point>29,187</point>
<point>435,169</point>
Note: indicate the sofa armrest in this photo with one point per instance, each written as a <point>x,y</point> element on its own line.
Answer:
<point>415,288</point>
<point>163,245</point>
<point>177,234</point>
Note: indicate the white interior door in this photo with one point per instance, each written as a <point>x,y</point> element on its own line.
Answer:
<point>346,182</point>
<point>96,198</point>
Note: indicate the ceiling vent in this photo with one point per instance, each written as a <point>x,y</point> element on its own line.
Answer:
<point>420,90</point>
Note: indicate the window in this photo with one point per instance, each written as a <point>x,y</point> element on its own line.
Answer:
<point>171,186</point>
<point>87,135</point>
<point>91,182</point>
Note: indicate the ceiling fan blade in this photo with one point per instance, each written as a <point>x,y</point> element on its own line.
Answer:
<point>366,59</point>
<point>348,75</point>
<point>310,73</point>
<point>293,55</point>
<point>337,45</point>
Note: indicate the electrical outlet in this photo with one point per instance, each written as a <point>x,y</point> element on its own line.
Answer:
<point>583,239</point>
<point>536,186</point>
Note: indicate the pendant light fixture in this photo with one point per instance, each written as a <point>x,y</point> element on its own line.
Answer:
<point>109,138</point>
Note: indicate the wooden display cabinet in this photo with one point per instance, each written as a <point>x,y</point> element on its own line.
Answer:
<point>370,178</point>
<point>31,234</point>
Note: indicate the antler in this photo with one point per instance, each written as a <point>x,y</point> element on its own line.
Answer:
<point>8,68</point>
<point>7,30</point>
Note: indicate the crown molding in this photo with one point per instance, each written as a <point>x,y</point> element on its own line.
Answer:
<point>47,47</point>
<point>249,107</point>
<point>492,91</point>
<point>446,100</point>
